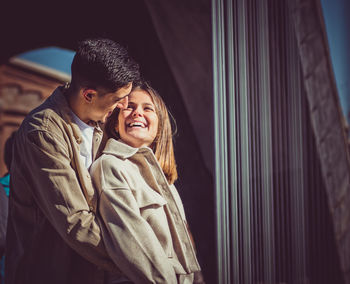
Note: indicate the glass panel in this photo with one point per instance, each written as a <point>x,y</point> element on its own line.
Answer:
<point>273,220</point>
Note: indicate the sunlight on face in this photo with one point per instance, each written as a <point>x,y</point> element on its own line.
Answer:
<point>138,123</point>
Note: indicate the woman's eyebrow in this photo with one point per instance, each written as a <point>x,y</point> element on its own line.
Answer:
<point>148,104</point>
<point>143,104</point>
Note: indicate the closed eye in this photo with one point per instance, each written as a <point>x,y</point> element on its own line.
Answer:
<point>119,99</point>
<point>127,109</point>
<point>130,107</point>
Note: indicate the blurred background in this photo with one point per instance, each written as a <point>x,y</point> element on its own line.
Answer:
<point>260,93</point>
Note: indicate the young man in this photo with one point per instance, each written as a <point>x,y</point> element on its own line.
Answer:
<point>53,233</point>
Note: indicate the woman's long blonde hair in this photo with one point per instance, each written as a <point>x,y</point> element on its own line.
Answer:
<point>162,145</point>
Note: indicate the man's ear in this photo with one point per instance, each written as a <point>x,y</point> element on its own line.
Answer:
<point>89,94</point>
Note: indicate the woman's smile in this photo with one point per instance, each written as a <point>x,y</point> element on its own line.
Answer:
<point>138,123</point>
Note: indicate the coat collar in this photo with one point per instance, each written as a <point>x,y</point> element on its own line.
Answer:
<point>121,150</point>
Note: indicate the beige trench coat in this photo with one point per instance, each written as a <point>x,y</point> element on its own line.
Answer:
<point>53,233</point>
<point>144,225</point>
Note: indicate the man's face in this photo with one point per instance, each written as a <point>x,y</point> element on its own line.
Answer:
<point>103,105</point>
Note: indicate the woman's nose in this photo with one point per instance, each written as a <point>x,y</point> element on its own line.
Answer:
<point>137,112</point>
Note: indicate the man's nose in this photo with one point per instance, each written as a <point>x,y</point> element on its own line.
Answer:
<point>123,103</point>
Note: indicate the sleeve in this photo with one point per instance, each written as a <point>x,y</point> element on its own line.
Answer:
<point>129,239</point>
<point>44,164</point>
<point>3,219</point>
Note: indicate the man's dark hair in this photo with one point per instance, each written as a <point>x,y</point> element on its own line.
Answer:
<point>103,63</point>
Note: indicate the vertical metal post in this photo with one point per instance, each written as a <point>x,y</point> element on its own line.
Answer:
<point>220,131</point>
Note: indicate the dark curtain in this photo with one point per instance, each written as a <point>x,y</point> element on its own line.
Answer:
<point>184,31</point>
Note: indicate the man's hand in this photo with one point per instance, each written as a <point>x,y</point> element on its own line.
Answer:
<point>198,277</point>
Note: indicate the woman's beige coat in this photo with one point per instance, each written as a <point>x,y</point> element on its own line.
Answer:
<point>144,224</point>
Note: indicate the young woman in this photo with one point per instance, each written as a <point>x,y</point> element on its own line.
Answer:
<point>144,226</point>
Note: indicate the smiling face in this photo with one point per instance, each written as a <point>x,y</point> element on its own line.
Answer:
<point>138,123</point>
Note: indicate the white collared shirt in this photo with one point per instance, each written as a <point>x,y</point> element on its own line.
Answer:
<point>87,133</point>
